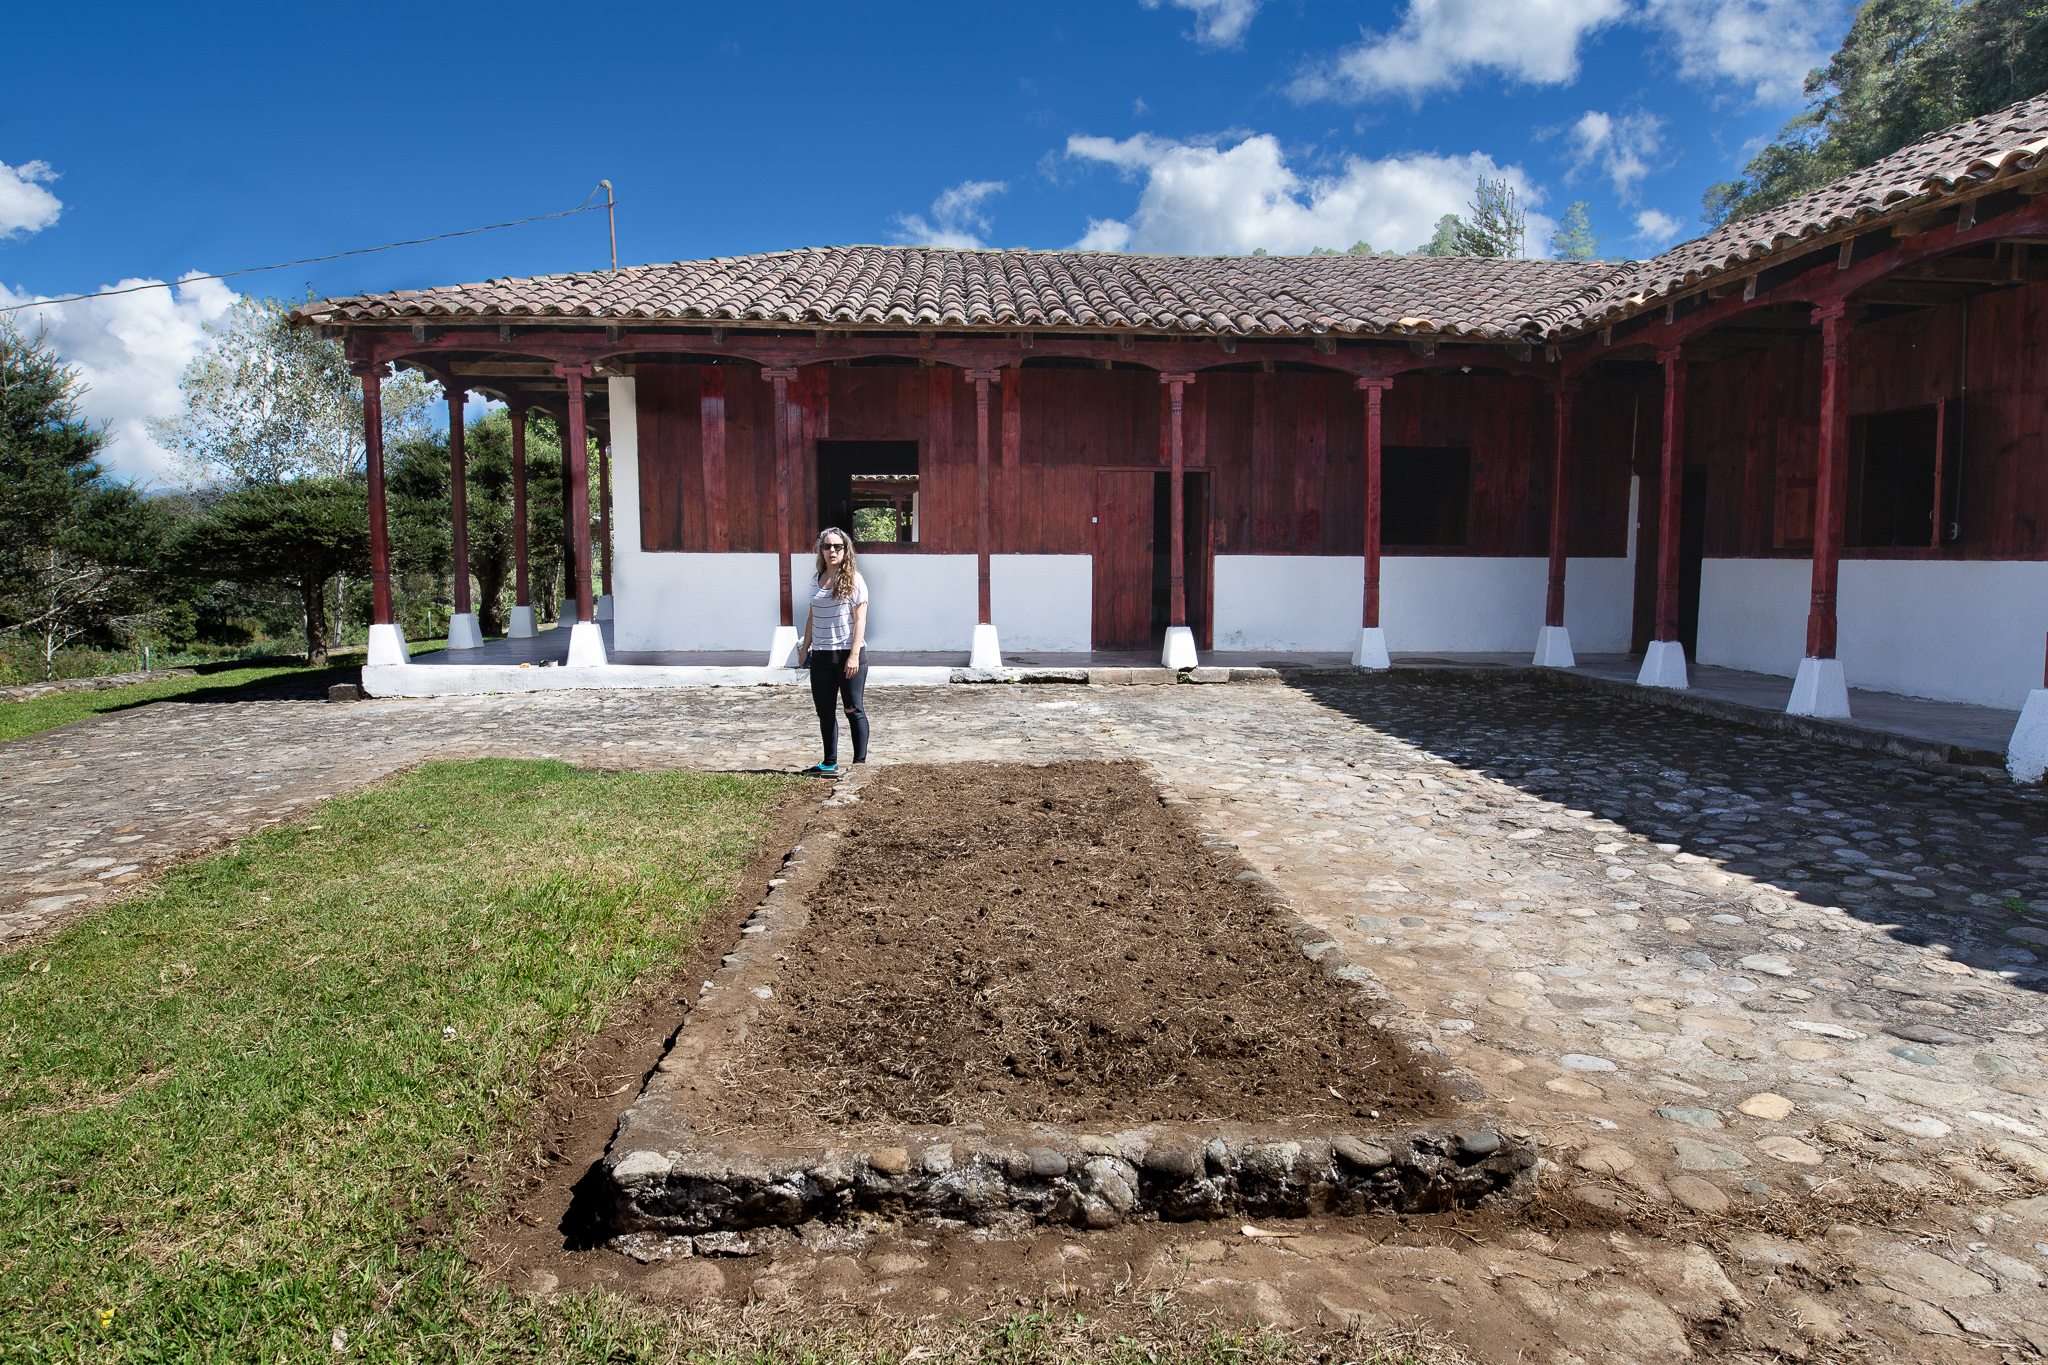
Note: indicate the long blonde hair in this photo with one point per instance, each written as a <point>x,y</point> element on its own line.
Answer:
<point>842,586</point>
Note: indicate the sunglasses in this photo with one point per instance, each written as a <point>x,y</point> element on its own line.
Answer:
<point>833,545</point>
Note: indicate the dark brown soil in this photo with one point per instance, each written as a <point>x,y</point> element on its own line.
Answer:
<point>1003,943</point>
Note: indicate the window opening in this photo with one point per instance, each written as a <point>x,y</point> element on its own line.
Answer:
<point>870,488</point>
<point>1425,495</point>
<point>1900,466</point>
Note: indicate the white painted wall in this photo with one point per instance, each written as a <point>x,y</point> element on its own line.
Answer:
<point>1042,602</point>
<point>1959,630</point>
<point>1427,603</point>
<point>1753,613</point>
<point>918,602</point>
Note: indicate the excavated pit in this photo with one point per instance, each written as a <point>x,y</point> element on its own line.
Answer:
<point>1009,993</point>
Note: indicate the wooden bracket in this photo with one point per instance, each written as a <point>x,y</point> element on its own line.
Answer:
<point>419,331</point>
<point>1024,340</point>
<point>718,336</point>
<point>821,336</point>
<point>1123,341</point>
<point>1966,215</point>
<point>504,331</point>
<point>1424,348</point>
<point>926,336</point>
<point>613,335</point>
<point>1521,351</point>
<point>1749,289</point>
<point>1326,346</point>
<point>1229,345</point>
<point>1606,336</point>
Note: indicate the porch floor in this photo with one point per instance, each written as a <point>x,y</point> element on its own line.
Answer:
<point>1972,734</point>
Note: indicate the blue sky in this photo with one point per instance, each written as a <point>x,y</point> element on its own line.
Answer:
<point>158,142</point>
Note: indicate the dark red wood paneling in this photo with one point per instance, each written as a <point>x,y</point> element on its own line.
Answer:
<point>1123,559</point>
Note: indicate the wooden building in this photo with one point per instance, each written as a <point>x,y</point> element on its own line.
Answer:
<point>1809,443</point>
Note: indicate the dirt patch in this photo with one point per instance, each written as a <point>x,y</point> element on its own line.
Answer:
<point>998,943</point>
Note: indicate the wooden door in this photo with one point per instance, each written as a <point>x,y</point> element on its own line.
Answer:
<point>1124,556</point>
<point>1201,558</point>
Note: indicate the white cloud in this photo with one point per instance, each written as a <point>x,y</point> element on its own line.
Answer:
<point>957,217</point>
<point>1656,228</point>
<point>1200,199</point>
<point>1624,148</point>
<point>1218,23</point>
<point>1441,42</point>
<point>1767,45</point>
<point>130,350</point>
<point>25,206</point>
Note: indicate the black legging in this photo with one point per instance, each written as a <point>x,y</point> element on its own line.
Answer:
<point>828,682</point>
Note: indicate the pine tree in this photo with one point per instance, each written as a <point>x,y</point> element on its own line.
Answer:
<point>1498,224</point>
<point>1575,239</point>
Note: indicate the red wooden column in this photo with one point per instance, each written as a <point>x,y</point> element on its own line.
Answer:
<point>781,379</point>
<point>982,379</point>
<point>521,625</point>
<point>577,441</point>
<point>1560,498</point>
<point>1554,642</point>
<point>568,518</point>
<point>1820,688</point>
<point>1372,647</point>
<point>462,631</point>
<point>604,502</point>
<point>1176,562</point>
<point>1664,662</point>
<point>373,461</point>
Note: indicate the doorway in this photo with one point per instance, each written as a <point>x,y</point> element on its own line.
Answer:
<point>870,490</point>
<point>1692,548</point>
<point>1133,549</point>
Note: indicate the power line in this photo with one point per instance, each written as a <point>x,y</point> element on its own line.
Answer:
<point>585,207</point>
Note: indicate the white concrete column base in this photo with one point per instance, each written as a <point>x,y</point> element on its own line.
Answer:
<point>586,646</point>
<point>522,625</point>
<point>988,650</point>
<point>387,647</point>
<point>1372,649</point>
<point>1819,690</point>
<point>2026,757</point>
<point>1554,648</point>
<point>1663,665</point>
<point>464,632</point>
<point>601,608</point>
<point>782,648</point>
<point>1180,648</point>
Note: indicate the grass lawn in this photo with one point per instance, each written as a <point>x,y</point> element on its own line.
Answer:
<point>226,1103</point>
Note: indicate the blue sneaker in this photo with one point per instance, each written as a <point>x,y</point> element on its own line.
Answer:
<point>822,770</point>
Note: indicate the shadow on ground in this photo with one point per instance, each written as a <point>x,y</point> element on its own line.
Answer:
<point>1932,858</point>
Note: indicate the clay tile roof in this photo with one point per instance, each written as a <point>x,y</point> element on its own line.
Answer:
<point>909,286</point>
<point>1967,158</point>
<point>1485,298</point>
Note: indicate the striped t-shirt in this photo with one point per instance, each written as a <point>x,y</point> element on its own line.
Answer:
<point>832,617</point>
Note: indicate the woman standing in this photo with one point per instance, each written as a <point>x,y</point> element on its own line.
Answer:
<point>834,634</point>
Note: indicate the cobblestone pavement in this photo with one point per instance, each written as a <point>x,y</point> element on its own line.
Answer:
<point>1715,971</point>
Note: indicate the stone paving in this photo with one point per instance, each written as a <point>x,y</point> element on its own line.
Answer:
<point>1712,970</point>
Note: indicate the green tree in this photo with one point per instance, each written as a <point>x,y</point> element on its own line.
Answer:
<point>1449,239</point>
<point>47,452</point>
<point>296,535</point>
<point>267,401</point>
<point>1498,225</point>
<point>1906,68</point>
<point>1575,239</point>
<point>78,551</point>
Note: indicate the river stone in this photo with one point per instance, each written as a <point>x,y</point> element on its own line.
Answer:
<point>1579,1061</point>
<point>1692,1114</point>
<point>1717,1071</point>
<point>1923,1271</point>
<point>1606,1158</point>
<point>1991,1064</point>
<point>1766,1106</point>
<point>1045,1162</point>
<point>1932,1034</point>
<point>1914,1054</point>
<point>1806,1050</point>
<point>1694,1155</point>
<point>1479,1143</point>
<point>2028,1161</point>
<point>1785,1147</point>
<point>1633,1049</point>
<point>1701,1196</point>
<point>1914,1090</point>
<point>1729,1048</point>
<point>1917,1125</point>
<point>1365,1155</point>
